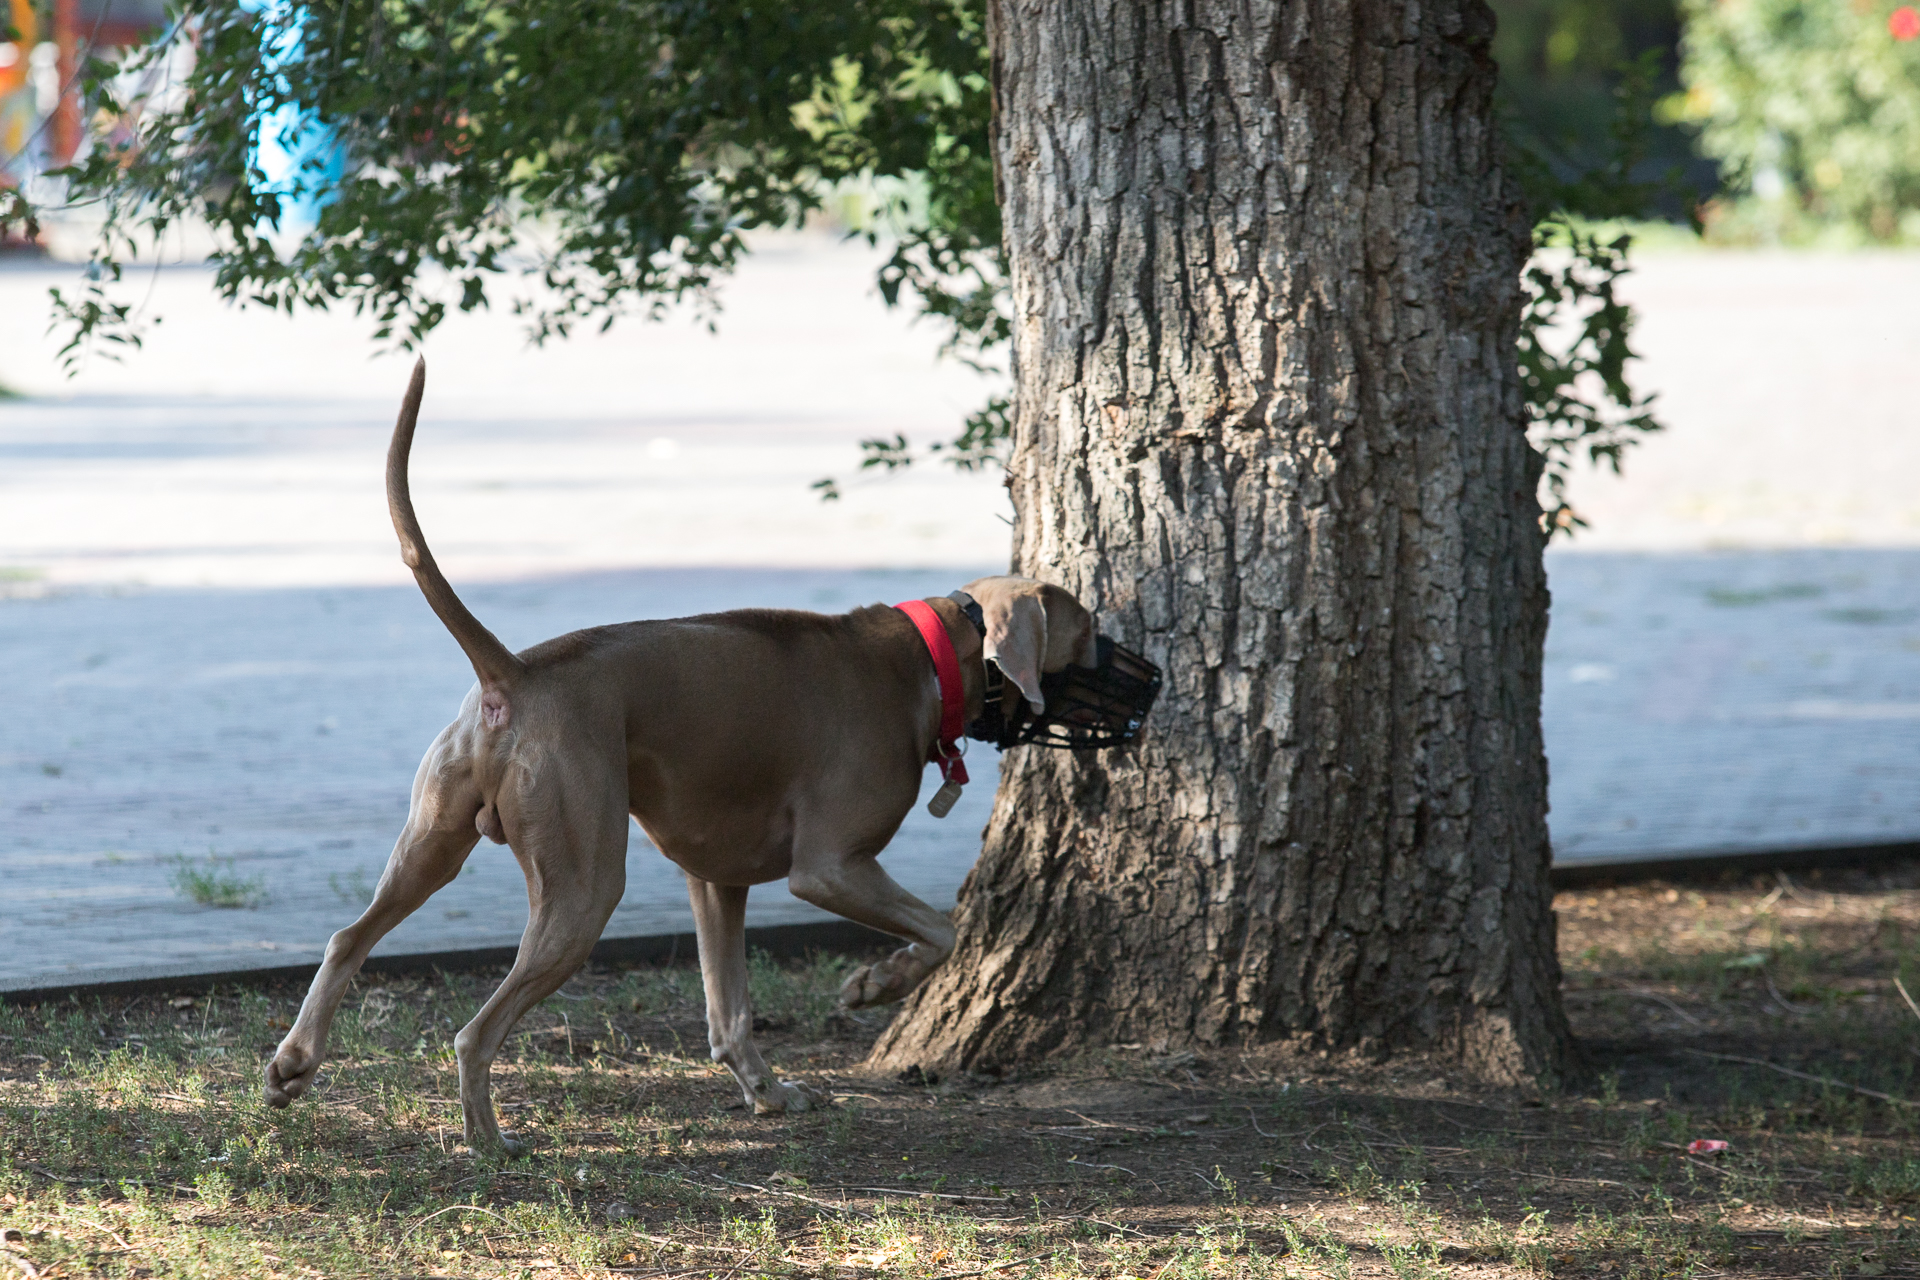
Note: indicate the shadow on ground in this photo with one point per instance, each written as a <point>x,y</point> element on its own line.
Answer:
<point>1763,1014</point>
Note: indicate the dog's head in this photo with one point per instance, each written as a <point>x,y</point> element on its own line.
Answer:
<point>1033,627</point>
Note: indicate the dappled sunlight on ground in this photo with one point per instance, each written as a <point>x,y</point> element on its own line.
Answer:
<point>1759,1014</point>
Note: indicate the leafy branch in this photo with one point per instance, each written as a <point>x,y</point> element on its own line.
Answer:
<point>583,160</point>
<point>1573,359</point>
<point>608,157</point>
<point>1574,329</point>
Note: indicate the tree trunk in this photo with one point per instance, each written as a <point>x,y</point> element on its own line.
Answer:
<point>1265,272</point>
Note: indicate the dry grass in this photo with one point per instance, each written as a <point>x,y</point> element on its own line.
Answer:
<point>133,1143</point>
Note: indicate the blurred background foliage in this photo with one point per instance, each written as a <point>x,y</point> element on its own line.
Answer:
<point>1789,122</point>
<point>610,156</point>
<point>1813,112</point>
<point>1688,122</point>
<point>580,160</point>
<point>1562,65</point>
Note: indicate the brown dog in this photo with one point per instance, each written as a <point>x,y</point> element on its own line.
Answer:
<point>751,746</point>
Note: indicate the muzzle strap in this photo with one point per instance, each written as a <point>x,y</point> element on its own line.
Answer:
<point>953,699</point>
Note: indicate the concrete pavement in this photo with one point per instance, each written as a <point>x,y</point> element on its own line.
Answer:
<point>215,655</point>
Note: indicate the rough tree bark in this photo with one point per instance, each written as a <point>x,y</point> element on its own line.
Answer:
<point>1265,272</point>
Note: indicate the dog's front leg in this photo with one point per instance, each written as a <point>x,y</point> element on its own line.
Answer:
<point>855,886</point>
<point>720,920</point>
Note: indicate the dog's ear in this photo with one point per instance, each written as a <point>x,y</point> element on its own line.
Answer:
<point>1017,639</point>
<point>1033,627</point>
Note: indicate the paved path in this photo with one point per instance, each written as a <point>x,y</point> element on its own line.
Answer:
<point>1733,701</point>
<point>244,448</point>
<point>273,735</point>
<point>1787,382</point>
<point>213,652</point>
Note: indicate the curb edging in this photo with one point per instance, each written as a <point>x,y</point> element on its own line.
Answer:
<point>788,941</point>
<point>785,941</point>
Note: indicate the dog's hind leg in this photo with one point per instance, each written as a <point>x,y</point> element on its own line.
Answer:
<point>855,886</point>
<point>571,841</point>
<point>719,920</point>
<point>430,852</point>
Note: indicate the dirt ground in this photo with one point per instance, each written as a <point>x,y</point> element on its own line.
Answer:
<point>1763,1013</point>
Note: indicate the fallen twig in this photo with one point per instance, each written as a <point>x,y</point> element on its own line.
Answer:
<point>109,1231</point>
<point>1684,1155</point>
<point>1310,1133</point>
<point>1670,1005</point>
<point>1267,1167</point>
<point>999,1266</point>
<point>1780,999</point>
<point>734,1270</point>
<point>1528,1133</point>
<point>1412,1146</point>
<point>471,1208</point>
<point>106,1182</point>
<point>793,1195</point>
<point>1902,989</point>
<point>1794,891</point>
<point>27,1269</point>
<point>925,1195</point>
<point>1112,1226</point>
<point>1559,1177</point>
<point>1802,1075</point>
<point>1100,1124</point>
<point>57,1177</point>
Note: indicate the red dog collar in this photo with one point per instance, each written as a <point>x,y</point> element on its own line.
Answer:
<point>953,703</point>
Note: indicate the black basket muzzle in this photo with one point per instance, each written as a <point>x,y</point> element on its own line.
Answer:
<point>1098,706</point>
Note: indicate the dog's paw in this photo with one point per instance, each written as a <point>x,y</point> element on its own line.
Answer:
<point>791,1096</point>
<point>502,1144</point>
<point>289,1075</point>
<point>882,983</point>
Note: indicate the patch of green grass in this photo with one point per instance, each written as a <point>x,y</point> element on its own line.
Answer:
<point>1894,1181</point>
<point>801,998</point>
<point>216,884</point>
<point>1868,617</point>
<point>133,1142</point>
<point>1738,597</point>
<point>354,888</point>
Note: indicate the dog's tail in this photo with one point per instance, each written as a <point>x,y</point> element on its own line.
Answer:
<point>498,669</point>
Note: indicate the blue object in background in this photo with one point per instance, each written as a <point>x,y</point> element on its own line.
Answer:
<point>300,156</point>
